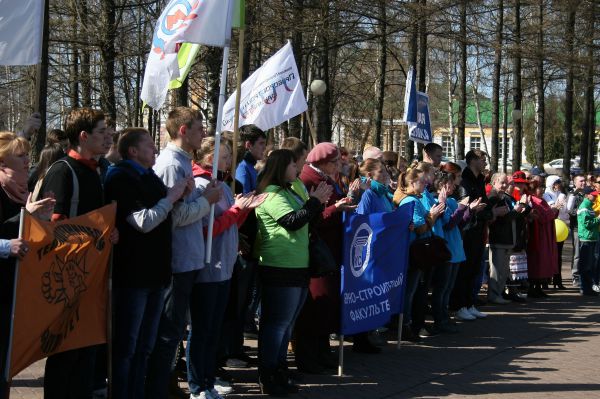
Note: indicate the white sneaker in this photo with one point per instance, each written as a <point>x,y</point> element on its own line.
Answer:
<point>464,315</point>
<point>201,395</point>
<point>480,315</point>
<point>596,288</point>
<point>213,394</point>
<point>222,387</point>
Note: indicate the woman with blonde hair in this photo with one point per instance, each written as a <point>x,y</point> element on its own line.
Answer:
<point>14,168</point>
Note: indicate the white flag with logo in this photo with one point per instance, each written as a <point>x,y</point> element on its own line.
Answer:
<point>21,26</point>
<point>271,95</point>
<point>182,21</point>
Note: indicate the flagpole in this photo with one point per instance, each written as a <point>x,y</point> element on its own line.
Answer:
<point>313,135</point>
<point>400,324</point>
<point>12,311</point>
<point>341,356</point>
<point>238,91</point>
<point>218,132</point>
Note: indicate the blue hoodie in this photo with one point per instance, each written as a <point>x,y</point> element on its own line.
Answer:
<point>452,231</point>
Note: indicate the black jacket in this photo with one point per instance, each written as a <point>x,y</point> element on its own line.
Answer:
<point>501,229</point>
<point>474,187</point>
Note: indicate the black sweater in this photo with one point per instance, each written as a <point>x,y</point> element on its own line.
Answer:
<point>140,260</point>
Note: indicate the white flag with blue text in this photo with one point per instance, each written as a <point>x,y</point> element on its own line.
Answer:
<point>271,95</point>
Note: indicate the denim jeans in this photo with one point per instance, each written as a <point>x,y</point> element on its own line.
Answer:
<point>442,284</point>
<point>413,277</point>
<point>173,321</point>
<point>207,308</point>
<point>587,262</point>
<point>575,265</point>
<point>137,314</point>
<point>280,308</point>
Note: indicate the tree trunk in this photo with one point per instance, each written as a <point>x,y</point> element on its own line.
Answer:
<point>107,57</point>
<point>540,103</point>
<point>477,107</point>
<point>568,128</point>
<point>413,56</point>
<point>462,81</point>
<point>323,102</point>
<point>74,67</point>
<point>422,59</point>
<point>517,93</point>
<point>505,127</point>
<point>589,114</point>
<point>39,138</point>
<point>381,67</point>
<point>214,58</point>
<point>295,125</point>
<point>86,76</point>
<point>496,87</point>
<point>450,92</point>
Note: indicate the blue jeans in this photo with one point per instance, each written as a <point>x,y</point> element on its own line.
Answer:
<point>413,277</point>
<point>173,321</point>
<point>207,308</point>
<point>587,263</point>
<point>137,314</point>
<point>279,310</point>
<point>442,285</point>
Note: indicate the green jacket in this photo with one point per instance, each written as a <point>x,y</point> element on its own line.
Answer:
<point>587,222</point>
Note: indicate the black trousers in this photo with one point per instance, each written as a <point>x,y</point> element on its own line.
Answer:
<point>70,374</point>
<point>462,294</point>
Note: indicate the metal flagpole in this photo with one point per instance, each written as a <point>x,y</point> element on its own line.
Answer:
<point>218,132</point>
<point>238,92</point>
<point>341,356</point>
<point>400,323</point>
<point>12,311</point>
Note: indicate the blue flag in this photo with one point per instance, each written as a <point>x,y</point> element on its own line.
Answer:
<point>410,99</point>
<point>374,268</point>
<point>421,131</point>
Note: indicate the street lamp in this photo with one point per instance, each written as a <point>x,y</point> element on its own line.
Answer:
<point>318,87</point>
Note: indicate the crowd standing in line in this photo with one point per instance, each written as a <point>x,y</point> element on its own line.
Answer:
<point>497,228</point>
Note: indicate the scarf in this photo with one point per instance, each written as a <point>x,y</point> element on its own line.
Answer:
<point>382,191</point>
<point>327,179</point>
<point>14,184</point>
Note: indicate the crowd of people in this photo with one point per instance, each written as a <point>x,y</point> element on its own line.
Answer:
<point>271,207</point>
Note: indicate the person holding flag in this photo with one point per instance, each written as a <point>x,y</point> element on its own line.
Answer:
<point>14,165</point>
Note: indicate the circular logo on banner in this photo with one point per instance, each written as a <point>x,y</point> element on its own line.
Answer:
<point>360,250</point>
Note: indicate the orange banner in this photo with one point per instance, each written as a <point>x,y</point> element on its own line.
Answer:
<point>62,288</point>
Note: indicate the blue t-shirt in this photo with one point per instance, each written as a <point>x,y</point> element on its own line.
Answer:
<point>246,174</point>
<point>453,236</point>
<point>419,216</point>
<point>370,202</point>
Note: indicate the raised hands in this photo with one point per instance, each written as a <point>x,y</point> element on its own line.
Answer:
<point>322,192</point>
<point>43,208</point>
<point>250,200</point>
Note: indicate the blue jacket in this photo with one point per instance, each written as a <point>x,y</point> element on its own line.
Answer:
<point>419,216</point>
<point>246,174</point>
<point>452,231</point>
<point>370,202</point>
<point>428,200</point>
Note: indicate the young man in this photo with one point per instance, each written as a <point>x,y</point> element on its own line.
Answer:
<point>432,153</point>
<point>575,199</point>
<point>174,163</point>
<point>142,259</point>
<point>255,141</point>
<point>587,229</point>
<point>70,374</point>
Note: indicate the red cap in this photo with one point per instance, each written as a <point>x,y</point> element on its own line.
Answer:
<point>519,177</point>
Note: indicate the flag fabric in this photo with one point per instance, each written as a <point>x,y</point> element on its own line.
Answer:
<point>271,95</point>
<point>185,59</point>
<point>62,287</point>
<point>416,111</point>
<point>182,21</point>
<point>21,28</point>
<point>239,14</point>
<point>410,99</point>
<point>421,132</point>
<point>374,268</point>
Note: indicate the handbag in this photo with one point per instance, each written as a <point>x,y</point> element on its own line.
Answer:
<point>321,261</point>
<point>424,253</point>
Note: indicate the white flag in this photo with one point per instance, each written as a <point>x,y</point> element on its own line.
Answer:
<point>21,27</point>
<point>271,95</point>
<point>182,21</point>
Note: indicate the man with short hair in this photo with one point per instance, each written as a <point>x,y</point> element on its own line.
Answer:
<point>432,153</point>
<point>575,199</point>
<point>70,374</point>
<point>587,229</point>
<point>255,141</point>
<point>174,163</point>
<point>142,259</point>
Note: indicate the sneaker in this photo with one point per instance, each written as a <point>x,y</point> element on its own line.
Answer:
<point>222,387</point>
<point>499,301</point>
<point>596,288</point>
<point>464,315</point>
<point>480,315</point>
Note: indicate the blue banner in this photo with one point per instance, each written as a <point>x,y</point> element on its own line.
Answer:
<point>410,98</point>
<point>421,131</point>
<point>374,268</point>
